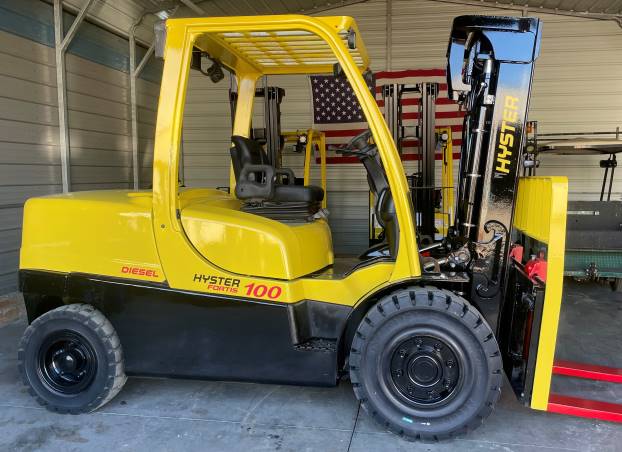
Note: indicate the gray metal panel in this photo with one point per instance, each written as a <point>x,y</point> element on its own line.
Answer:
<point>11,218</point>
<point>206,132</point>
<point>29,157</point>
<point>18,194</point>
<point>8,275</point>
<point>99,132</point>
<point>579,6</point>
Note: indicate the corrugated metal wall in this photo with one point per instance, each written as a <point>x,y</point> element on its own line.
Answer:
<point>206,132</point>
<point>577,87</point>
<point>99,128</point>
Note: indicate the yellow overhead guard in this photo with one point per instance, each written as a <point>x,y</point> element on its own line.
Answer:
<point>275,50</point>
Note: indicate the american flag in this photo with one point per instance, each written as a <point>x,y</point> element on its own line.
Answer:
<point>337,113</point>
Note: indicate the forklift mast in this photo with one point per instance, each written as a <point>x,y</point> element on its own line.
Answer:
<point>422,182</point>
<point>490,70</point>
<point>270,134</point>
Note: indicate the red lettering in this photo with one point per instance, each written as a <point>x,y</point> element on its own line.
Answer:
<point>274,292</point>
<point>261,290</point>
<point>139,271</point>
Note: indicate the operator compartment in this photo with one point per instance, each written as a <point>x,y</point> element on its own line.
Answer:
<point>250,244</point>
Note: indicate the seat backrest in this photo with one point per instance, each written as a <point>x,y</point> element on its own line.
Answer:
<point>385,212</point>
<point>246,151</point>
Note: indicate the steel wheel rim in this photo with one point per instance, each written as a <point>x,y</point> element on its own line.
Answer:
<point>439,406</point>
<point>424,370</point>
<point>67,362</point>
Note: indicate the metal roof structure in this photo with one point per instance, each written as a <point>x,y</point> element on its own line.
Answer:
<point>613,7</point>
<point>592,9</point>
<point>120,15</point>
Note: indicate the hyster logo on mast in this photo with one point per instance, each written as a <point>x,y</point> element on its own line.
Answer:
<point>506,137</point>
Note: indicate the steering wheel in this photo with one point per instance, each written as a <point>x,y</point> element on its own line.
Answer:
<point>359,145</point>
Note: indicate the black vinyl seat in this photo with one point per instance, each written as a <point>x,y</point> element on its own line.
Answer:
<point>298,193</point>
<point>270,191</point>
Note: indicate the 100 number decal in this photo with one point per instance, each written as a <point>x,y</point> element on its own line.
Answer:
<point>261,290</point>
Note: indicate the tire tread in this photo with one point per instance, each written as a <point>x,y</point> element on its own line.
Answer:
<point>101,326</point>
<point>437,299</point>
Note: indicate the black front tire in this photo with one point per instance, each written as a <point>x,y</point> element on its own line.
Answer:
<point>425,364</point>
<point>71,359</point>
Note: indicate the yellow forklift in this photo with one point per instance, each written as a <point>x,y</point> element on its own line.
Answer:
<point>200,283</point>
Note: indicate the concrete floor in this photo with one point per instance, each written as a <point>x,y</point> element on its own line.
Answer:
<point>165,415</point>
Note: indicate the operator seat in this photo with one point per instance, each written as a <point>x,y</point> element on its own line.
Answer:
<point>384,210</point>
<point>387,217</point>
<point>268,191</point>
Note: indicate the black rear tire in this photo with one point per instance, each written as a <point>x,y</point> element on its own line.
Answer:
<point>425,364</point>
<point>71,359</point>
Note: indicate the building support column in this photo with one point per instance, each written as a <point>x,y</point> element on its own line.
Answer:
<point>135,71</point>
<point>389,36</point>
<point>61,42</point>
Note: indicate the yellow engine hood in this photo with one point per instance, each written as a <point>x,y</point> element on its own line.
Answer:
<point>104,232</point>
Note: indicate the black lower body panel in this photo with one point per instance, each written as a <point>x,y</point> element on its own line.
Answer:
<point>166,332</point>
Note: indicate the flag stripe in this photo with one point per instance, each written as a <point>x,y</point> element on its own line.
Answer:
<point>336,111</point>
<point>344,132</point>
<point>438,115</point>
<point>441,86</point>
<point>416,101</point>
<point>352,159</point>
<point>410,73</point>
